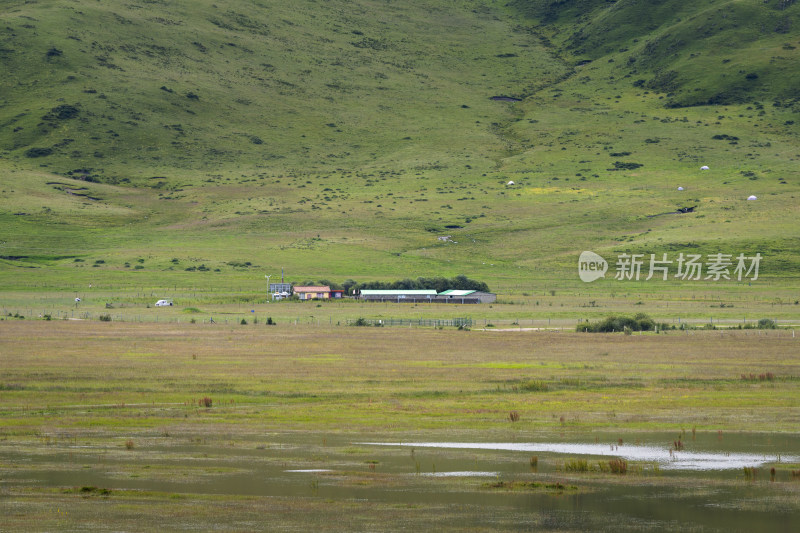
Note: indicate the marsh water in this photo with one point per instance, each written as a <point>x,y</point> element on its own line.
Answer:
<point>700,487</point>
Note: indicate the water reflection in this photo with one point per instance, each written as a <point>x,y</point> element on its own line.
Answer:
<point>460,474</point>
<point>426,474</point>
<point>665,457</point>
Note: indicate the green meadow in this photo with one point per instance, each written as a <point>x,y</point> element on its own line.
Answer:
<point>144,141</point>
<point>187,149</point>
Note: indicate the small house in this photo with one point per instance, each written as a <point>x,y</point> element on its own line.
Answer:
<point>312,293</point>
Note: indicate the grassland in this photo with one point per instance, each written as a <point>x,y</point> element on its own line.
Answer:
<point>380,379</point>
<point>107,423</point>
<point>341,140</point>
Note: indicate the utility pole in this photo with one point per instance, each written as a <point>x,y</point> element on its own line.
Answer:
<point>268,288</point>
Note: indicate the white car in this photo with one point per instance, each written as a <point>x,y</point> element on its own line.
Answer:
<point>164,303</point>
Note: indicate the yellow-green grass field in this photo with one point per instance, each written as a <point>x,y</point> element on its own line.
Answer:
<point>175,425</point>
<point>141,376</point>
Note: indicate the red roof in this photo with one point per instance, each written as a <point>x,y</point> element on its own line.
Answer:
<point>312,289</point>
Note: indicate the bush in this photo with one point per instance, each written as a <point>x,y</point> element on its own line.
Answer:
<point>622,165</point>
<point>38,152</point>
<point>639,322</point>
<point>104,318</point>
<point>767,323</point>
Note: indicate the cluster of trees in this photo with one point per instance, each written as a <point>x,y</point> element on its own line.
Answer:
<point>440,284</point>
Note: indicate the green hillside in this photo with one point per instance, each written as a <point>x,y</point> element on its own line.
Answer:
<point>711,52</point>
<point>177,142</point>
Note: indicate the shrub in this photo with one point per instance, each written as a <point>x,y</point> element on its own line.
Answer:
<point>513,416</point>
<point>205,402</point>
<point>104,318</point>
<point>621,165</point>
<point>62,112</point>
<point>767,323</point>
<point>38,152</point>
<point>613,323</point>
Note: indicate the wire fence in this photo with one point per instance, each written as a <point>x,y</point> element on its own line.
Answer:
<point>241,318</point>
<point>430,322</point>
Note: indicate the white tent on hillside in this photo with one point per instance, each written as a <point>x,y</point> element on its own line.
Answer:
<point>752,197</point>
<point>704,167</point>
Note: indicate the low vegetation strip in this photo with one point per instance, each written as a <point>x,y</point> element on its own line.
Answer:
<point>379,378</point>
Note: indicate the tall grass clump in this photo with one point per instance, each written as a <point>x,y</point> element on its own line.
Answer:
<point>533,385</point>
<point>577,465</point>
<point>618,466</point>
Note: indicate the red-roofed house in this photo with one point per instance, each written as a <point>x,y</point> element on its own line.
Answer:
<point>310,293</point>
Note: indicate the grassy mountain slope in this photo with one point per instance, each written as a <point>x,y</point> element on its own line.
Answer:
<point>713,52</point>
<point>358,139</point>
<point>129,91</point>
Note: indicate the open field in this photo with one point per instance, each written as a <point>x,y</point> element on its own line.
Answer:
<point>120,407</point>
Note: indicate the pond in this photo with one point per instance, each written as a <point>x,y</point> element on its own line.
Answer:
<point>667,458</point>
<point>493,485</point>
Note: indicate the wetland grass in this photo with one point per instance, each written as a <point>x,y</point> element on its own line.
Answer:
<point>618,466</point>
<point>576,465</point>
<point>292,380</point>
